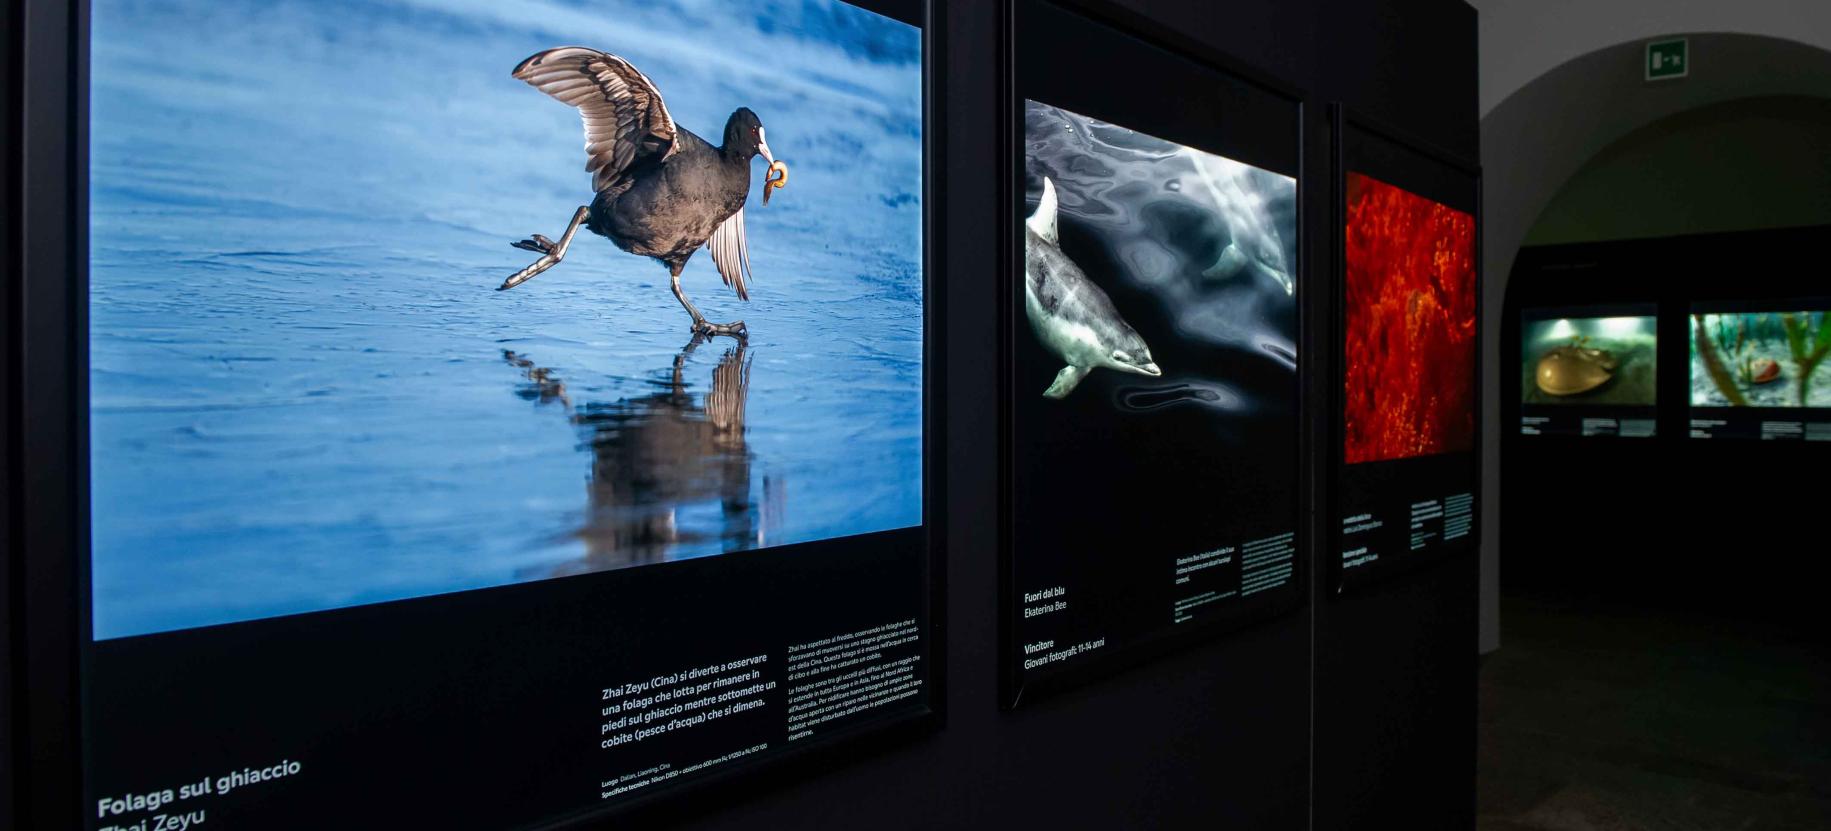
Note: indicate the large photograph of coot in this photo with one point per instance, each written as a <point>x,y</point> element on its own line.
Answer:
<point>1153,389</point>
<point>398,299</point>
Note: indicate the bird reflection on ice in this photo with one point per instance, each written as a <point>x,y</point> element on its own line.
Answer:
<point>668,469</point>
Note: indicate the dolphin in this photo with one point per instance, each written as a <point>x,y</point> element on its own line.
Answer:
<point>1068,313</point>
<point>1256,245</point>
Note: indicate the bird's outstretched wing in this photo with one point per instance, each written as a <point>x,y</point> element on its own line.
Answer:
<point>731,253</point>
<point>625,119</point>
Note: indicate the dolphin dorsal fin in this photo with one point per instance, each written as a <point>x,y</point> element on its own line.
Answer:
<point>1042,221</point>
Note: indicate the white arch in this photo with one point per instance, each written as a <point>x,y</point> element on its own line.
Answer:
<point>1541,133</point>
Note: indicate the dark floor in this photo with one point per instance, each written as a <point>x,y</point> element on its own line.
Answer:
<point>1625,719</point>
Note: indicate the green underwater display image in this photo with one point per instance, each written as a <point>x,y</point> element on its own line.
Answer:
<point>1760,359</point>
<point>1593,360</point>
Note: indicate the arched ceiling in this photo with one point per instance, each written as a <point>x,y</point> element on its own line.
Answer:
<point>1747,164</point>
<point>1524,39</point>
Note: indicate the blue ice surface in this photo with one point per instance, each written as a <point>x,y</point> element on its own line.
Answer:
<point>306,393</point>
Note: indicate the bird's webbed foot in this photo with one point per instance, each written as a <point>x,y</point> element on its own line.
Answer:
<point>704,329</point>
<point>537,244</point>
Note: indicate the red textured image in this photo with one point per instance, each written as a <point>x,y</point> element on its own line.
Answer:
<point>1410,352</point>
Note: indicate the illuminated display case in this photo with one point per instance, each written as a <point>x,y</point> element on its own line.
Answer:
<point>1757,369</point>
<point>1152,414</point>
<point>1589,371</point>
<point>1409,319</point>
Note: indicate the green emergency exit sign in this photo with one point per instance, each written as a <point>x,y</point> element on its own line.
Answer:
<point>1667,59</point>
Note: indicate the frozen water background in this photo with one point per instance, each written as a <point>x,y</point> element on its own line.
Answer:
<point>302,392</point>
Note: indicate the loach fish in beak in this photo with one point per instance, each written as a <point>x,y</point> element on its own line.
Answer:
<point>776,177</point>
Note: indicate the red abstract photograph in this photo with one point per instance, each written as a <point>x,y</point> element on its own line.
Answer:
<point>1410,350</point>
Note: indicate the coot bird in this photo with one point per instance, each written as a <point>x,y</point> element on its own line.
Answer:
<point>662,191</point>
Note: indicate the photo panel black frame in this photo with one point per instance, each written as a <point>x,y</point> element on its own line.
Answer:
<point>1582,279</point>
<point>1214,94</point>
<point>1745,423</point>
<point>1567,420</point>
<point>1706,273</point>
<point>1368,147</point>
<point>11,53</point>
<point>53,738</point>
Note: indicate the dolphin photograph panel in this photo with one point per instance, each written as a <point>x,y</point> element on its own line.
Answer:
<point>1213,240</point>
<point>1155,373</point>
<point>393,299</point>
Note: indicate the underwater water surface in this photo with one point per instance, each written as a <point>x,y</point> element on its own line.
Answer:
<point>1630,343</point>
<point>1770,359</point>
<point>307,394</point>
<point>1210,240</point>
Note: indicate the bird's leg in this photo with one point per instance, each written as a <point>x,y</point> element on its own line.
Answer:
<point>701,328</point>
<point>550,252</point>
<point>698,319</point>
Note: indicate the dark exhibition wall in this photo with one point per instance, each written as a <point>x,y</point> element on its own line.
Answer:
<point>1656,367</point>
<point>1334,704</point>
<point>1705,364</point>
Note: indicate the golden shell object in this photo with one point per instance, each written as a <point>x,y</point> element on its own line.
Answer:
<point>1569,370</point>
